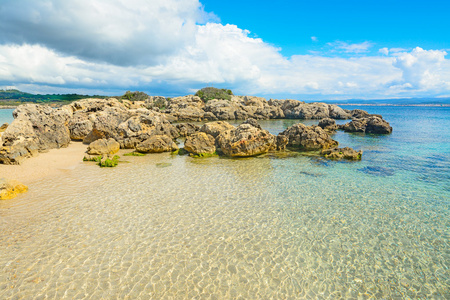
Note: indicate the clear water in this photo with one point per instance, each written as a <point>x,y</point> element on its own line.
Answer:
<point>6,116</point>
<point>171,227</point>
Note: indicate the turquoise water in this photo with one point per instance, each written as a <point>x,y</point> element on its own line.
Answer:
<point>6,116</point>
<point>298,227</point>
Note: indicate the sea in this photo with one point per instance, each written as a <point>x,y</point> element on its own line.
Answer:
<point>293,226</point>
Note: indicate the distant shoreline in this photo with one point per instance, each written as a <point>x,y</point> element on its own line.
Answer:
<point>387,104</point>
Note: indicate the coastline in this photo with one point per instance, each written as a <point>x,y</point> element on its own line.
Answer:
<point>48,164</point>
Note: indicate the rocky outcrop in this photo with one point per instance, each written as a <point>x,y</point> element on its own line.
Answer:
<point>216,128</point>
<point>245,140</point>
<point>11,188</point>
<point>200,144</point>
<point>3,127</point>
<point>157,144</point>
<point>103,146</point>
<point>329,125</point>
<point>342,153</point>
<point>308,138</point>
<point>35,128</point>
<point>371,124</point>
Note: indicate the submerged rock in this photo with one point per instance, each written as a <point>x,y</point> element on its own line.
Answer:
<point>377,171</point>
<point>9,189</point>
<point>200,144</point>
<point>308,137</point>
<point>342,153</point>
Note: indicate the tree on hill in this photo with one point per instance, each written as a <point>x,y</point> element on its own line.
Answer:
<point>210,93</point>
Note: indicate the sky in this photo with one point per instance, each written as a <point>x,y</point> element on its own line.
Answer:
<point>306,50</point>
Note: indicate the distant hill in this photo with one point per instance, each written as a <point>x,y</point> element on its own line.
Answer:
<point>16,97</point>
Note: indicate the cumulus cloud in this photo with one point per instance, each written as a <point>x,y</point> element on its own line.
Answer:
<point>116,47</point>
<point>122,32</point>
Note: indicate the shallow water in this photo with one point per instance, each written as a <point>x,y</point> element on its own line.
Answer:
<point>6,116</point>
<point>175,227</point>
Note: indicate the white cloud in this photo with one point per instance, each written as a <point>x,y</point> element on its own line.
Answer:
<point>351,48</point>
<point>314,38</point>
<point>123,32</point>
<point>112,46</point>
<point>384,51</point>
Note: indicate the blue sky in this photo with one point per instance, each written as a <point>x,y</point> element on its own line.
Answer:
<point>290,24</point>
<point>309,50</point>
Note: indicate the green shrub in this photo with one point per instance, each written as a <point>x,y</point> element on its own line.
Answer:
<point>210,93</point>
<point>135,96</point>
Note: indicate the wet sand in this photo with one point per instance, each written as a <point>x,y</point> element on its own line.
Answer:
<point>51,163</point>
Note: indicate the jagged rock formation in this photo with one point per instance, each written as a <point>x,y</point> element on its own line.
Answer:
<point>144,123</point>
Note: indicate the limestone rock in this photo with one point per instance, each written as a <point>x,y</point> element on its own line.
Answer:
<point>328,125</point>
<point>371,124</point>
<point>245,140</point>
<point>216,128</point>
<point>308,137</point>
<point>187,129</point>
<point>103,146</point>
<point>157,144</point>
<point>342,153</point>
<point>335,112</point>
<point>200,143</point>
<point>358,114</point>
<point>11,188</point>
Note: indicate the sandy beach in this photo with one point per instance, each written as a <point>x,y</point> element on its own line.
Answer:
<point>47,164</point>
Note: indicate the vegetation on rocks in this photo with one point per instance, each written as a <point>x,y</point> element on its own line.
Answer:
<point>109,162</point>
<point>210,93</point>
<point>135,96</point>
<point>134,153</point>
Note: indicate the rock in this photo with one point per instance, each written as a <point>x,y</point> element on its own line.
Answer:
<point>80,126</point>
<point>308,137</point>
<point>140,127</point>
<point>252,122</point>
<point>342,153</point>
<point>186,108</point>
<point>11,188</point>
<point>358,114</point>
<point>281,142</point>
<point>3,127</point>
<point>245,140</point>
<point>157,144</point>
<point>103,146</point>
<point>328,125</point>
<point>35,128</point>
<point>107,123</point>
<point>222,109</point>
<point>187,129</point>
<point>216,128</point>
<point>338,113</point>
<point>200,143</point>
<point>308,111</point>
<point>371,124</point>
